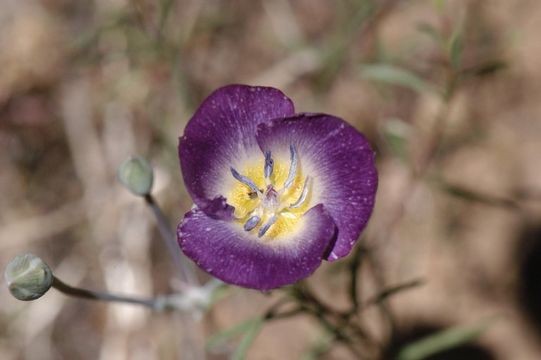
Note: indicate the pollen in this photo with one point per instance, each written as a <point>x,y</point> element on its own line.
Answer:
<point>270,195</point>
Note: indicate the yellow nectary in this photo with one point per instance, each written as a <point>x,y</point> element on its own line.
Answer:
<point>273,199</point>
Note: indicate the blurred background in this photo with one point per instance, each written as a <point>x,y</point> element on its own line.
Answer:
<point>446,91</point>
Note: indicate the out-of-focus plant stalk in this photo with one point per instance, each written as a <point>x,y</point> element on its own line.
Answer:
<point>102,296</point>
<point>186,271</point>
<point>194,299</point>
<point>341,325</point>
<point>137,175</point>
<point>29,278</point>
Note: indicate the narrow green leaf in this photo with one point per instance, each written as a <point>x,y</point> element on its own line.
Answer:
<point>395,76</point>
<point>440,5</point>
<point>441,341</point>
<point>320,347</point>
<point>397,134</point>
<point>455,47</point>
<point>249,336</point>
<point>487,68</point>
<point>222,337</point>
<point>474,196</point>
<point>431,31</point>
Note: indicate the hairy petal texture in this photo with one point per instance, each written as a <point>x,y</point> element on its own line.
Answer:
<point>341,163</point>
<point>222,249</point>
<point>221,134</point>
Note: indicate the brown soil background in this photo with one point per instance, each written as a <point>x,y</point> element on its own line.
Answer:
<point>84,84</point>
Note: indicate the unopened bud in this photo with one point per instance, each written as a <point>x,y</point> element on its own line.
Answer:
<point>136,174</point>
<point>28,277</point>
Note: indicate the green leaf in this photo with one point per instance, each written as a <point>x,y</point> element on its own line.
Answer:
<point>220,338</point>
<point>320,347</point>
<point>455,47</point>
<point>397,134</point>
<point>439,5</point>
<point>431,31</point>
<point>441,341</point>
<point>474,196</point>
<point>249,336</point>
<point>395,76</point>
<point>487,68</point>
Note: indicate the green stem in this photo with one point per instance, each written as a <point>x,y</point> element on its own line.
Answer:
<point>186,272</point>
<point>353,269</point>
<point>388,292</point>
<point>102,296</point>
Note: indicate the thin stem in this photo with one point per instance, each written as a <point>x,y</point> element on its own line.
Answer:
<point>384,307</point>
<point>312,305</point>
<point>353,268</point>
<point>102,296</point>
<point>285,314</point>
<point>385,294</point>
<point>186,272</point>
<point>479,197</point>
<point>165,9</point>
<point>337,331</point>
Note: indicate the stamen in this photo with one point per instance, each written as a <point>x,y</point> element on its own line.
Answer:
<point>293,168</point>
<point>245,180</point>
<point>304,193</point>
<point>269,164</point>
<point>251,223</point>
<point>267,225</point>
<point>273,204</point>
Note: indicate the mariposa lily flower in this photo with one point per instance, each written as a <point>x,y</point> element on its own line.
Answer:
<point>275,192</point>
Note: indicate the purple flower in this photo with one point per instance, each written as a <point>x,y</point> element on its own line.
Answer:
<point>275,192</point>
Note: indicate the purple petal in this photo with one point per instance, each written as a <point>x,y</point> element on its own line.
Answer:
<point>226,251</point>
<point>222,133</point>
<point>341,163</point>
<point>218,208</point>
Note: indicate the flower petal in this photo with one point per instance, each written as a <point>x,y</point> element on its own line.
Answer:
<point>341,162</point>
<point>222,132</point>
<point>235,256</point>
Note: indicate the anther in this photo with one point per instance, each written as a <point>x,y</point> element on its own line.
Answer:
<point>267,225</point>
<point>251,223</point>
<point>304,193</point>
<point>269,164</point>
<point>245,180</point>
<point>293,167</point>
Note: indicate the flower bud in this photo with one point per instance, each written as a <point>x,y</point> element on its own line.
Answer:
<point>136,174</point>
<point>28,277</point>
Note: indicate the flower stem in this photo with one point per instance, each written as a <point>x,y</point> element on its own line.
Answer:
<point>353,269</point>
<point>102,296</point>
<point>186,272</point>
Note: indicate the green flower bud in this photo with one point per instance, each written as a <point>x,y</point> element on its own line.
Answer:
<point>28,277</point>
<point>136,174</point>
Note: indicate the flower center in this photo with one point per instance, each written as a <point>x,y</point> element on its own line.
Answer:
<point>270,197</point>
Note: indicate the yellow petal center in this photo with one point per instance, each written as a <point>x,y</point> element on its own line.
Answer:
<point>272,199</point>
